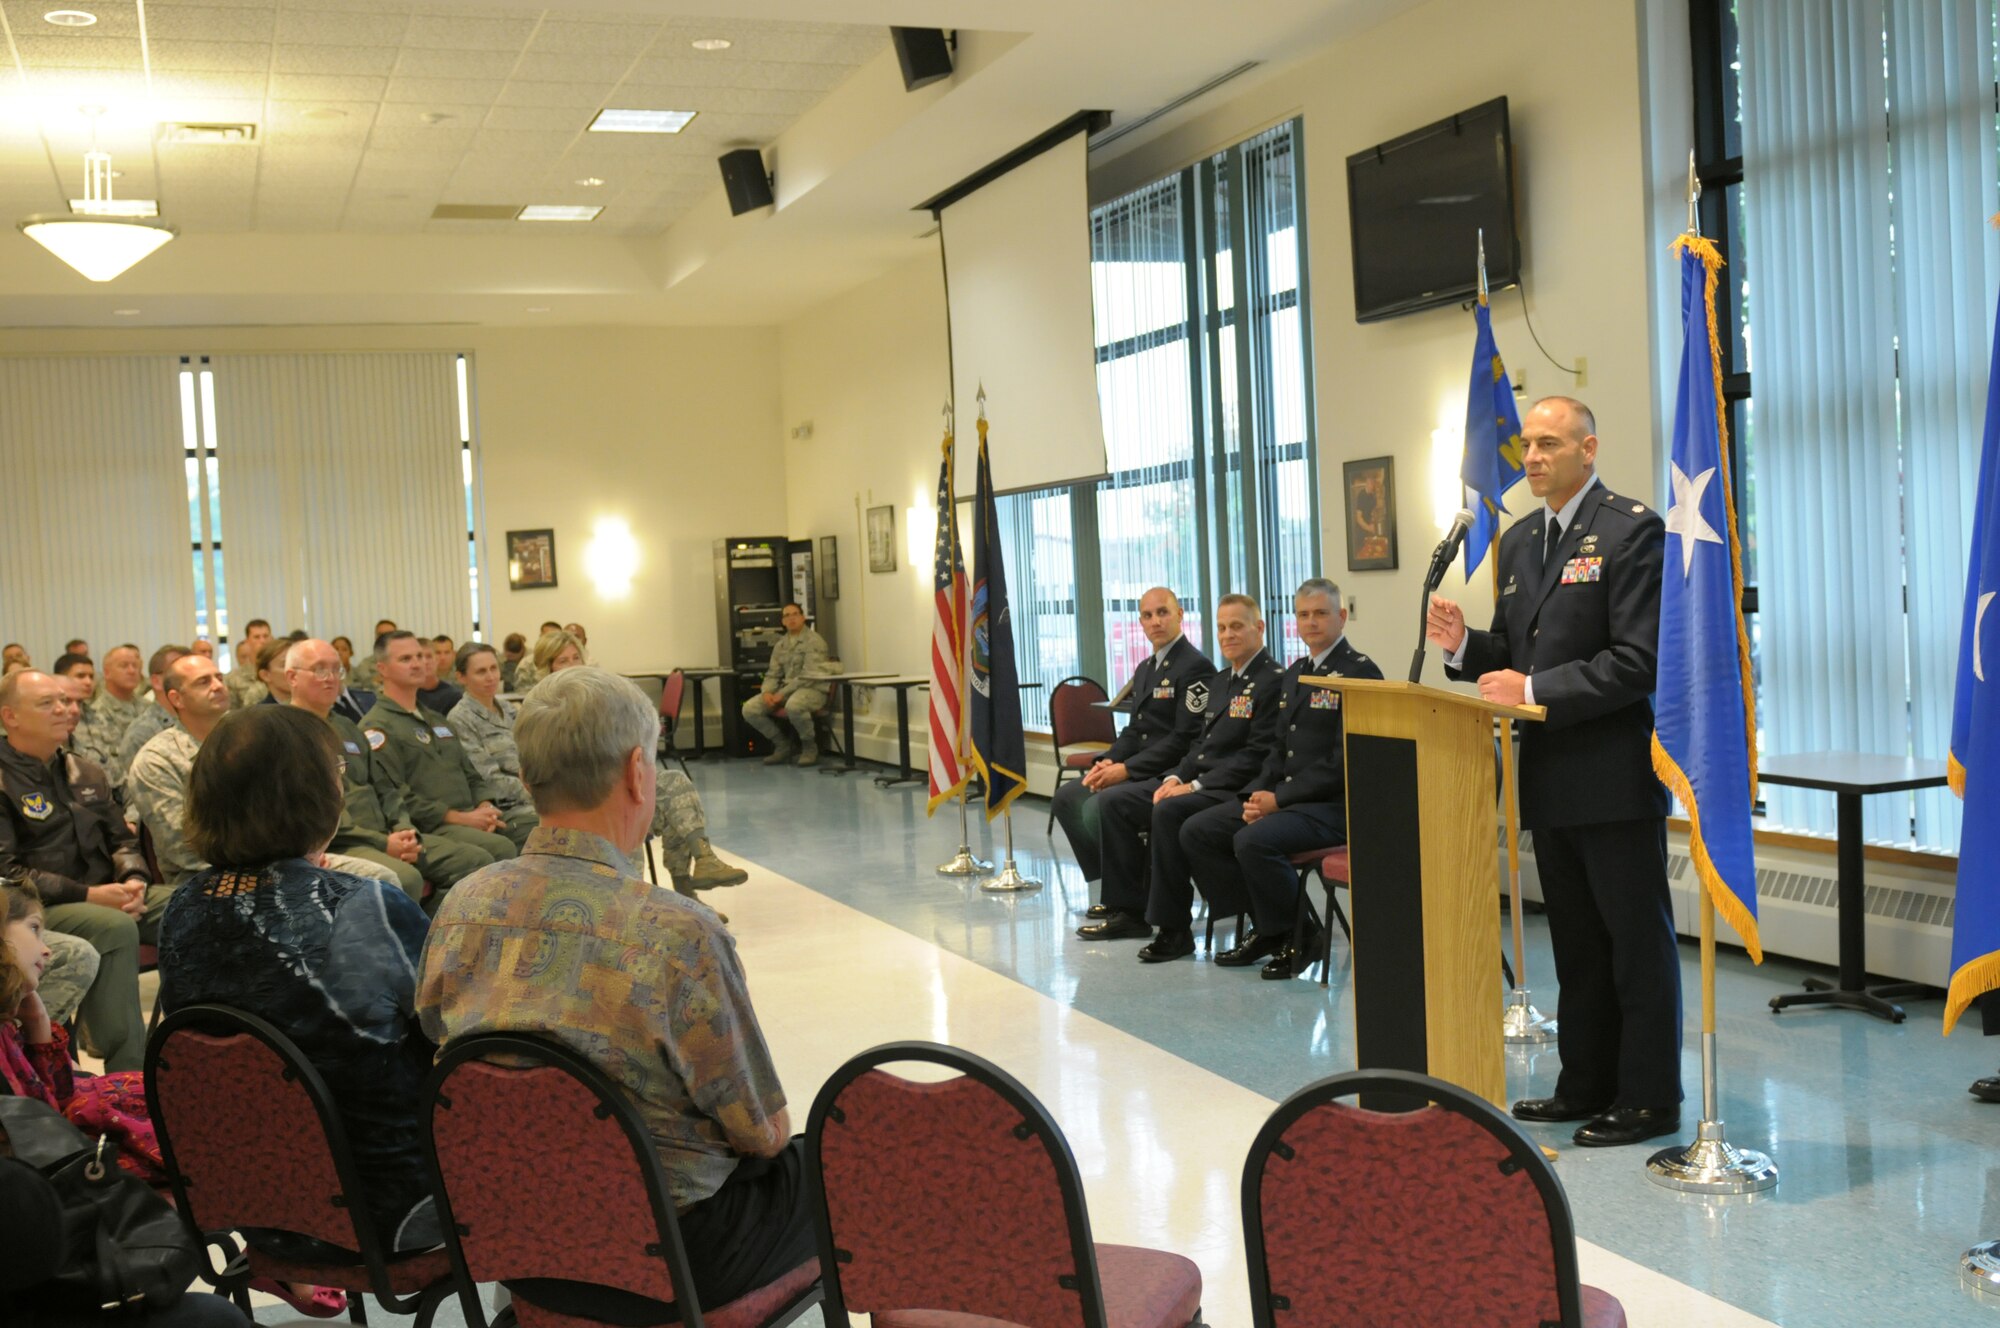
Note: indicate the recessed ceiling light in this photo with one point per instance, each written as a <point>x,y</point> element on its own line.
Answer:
<point>710,43</point>
<point>325,113</point>
<point>591,182</point>
<point>125,313</point>
<point>69,18</point>
<point>640,122</point>
<point>116,207</point>
<point>557,212</point>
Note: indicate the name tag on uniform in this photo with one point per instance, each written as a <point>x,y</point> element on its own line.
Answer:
<point>1239,707</point>
<point>442,731</point>
<point>37,807</point>
<point>1582,569</point>
<point>354,748</point>
<point>1325,700</point>
<point>1164,692</point>
<point>1512,586</point>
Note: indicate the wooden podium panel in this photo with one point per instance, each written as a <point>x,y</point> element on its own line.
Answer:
<point>1423,860</point>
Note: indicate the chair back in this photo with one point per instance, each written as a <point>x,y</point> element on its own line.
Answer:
<point>959,1195</point>
<point>1074,717</point>
<point>249,1133</point>
<point>542,1168</point>
<point>1353,1215</point>
<point>671,692</point>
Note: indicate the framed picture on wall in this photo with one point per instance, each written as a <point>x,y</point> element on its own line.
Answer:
<point>829,568</point>
<point>882,538</point>
<point>1369,489</point>
<point>531,559</point>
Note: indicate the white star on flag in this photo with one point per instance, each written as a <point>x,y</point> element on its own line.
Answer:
<point>1684,518</point>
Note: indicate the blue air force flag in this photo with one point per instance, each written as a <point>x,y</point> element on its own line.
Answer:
<point>1492,461</point>
<point>1704,728</point>
<point>999,747</point>
<point>1975,735</point>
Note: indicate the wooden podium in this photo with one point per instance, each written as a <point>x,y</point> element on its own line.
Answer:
<point>1424,864</point>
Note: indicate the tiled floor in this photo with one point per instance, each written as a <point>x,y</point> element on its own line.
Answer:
<point>1160,1074</point>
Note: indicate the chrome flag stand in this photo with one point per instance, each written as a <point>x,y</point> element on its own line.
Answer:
<point>1522,1024</point>
<point>1009,877</point>
<point>965,862</point>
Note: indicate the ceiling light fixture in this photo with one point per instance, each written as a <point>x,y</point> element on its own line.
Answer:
<point>126,313</point>
<point>117,207</point>
<point>557,212</point>
<point>611,121</point>
<point>710,43</point>
<point>96,239</point>
<point>69,18</point>
<point>590,182</point>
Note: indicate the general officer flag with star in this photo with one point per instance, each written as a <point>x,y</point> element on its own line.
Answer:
<point>1975,735</point>
<point>1704,725</point>
<point>1492,462</point>
<point>999,747</point>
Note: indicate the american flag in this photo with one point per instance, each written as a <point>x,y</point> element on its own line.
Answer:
<point>947,646</point>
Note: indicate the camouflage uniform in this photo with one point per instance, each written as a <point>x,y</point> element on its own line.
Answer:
<point>489,741</point>
<point>244,687</point>
<point>155,719</point>
<point>421,755</point>
<point>156,793</point>
<point>361,673</point>
<point>101,731</point>
<point>794,663</point>
<point>72,968</point>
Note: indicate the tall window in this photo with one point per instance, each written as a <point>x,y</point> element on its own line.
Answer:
<point>204,482</point>
<point>1204,379</point>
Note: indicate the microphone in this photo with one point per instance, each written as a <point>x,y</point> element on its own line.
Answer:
<point>1447,549</point>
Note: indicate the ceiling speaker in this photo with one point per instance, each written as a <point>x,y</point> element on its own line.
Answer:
<point>924,55</point>
<point>744,179</point>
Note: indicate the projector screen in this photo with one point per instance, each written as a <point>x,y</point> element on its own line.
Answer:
<point>1017,261</point>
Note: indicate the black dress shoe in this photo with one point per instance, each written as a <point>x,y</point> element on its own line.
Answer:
<point>1252,948</point>
<point>1171,943</point>
<point>1556,1109</point>
<point>1987,1090</point>
<point>1118,925</point>
<point>1097,911</point>
<point>1628,1125</point>
<point>1293,959</point>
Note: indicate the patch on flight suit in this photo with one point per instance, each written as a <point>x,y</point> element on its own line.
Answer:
<point>1240,706</point>
<point>1197,697</point>
<point>376,738</point>
<point>352,747</point>
<point>424,734</point>
<point>1323,699</point>
<point>1582,569</point>
<point>37,807</point>
<point>443,731</point>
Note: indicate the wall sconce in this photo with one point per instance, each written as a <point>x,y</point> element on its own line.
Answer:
<point>920,535</point>
<point>1447,455</point>
<point>612,557</point>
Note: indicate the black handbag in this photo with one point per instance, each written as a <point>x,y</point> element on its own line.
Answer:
<point>122,1244</point>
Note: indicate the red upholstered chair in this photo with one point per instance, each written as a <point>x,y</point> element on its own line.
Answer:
<point>250,1138</point>
<point>1079,727</point>
<point>1436,1217</point>
<point>672,690</point>
<point>957,1204</point>
<point>1330,865</point>
<point>822,719</point>
<point>543,1169</point>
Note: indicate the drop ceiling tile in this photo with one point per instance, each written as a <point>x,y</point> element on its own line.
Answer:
<point>444,119</point>
<point>76,50</point>
<point>25,18</point>
<point>210,83</point>
<point>525,93</point>
<point>717,100</point>
<point>76,87</point>
<point>327,87</point>
<point>559,36</point>
<point>203,24</point>
<point>289,58</point>
<point>211,110</point>
<point>446,32</point>
<point>417,62</point>
<point>525,142</point>
<point>741,73</point>
<point>242,57</point>
<point>439,91</point>
<point>572,68</point>
<point>341,29</point>
<point>570,118</point>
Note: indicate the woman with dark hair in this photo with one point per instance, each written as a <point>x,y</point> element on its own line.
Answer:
<point>330,959</point>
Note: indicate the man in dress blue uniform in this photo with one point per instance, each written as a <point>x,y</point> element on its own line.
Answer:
<point>1166,699</point>
<point>1576,630</point>
<point>1142,818</point>
<point>1241,850</point>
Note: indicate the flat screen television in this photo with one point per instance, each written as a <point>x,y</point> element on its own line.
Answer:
<point>1416,205</point>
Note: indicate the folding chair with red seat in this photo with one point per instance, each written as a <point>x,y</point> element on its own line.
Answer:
<point>543,1169</point>
<point>672,689</point>
<point>957,1204</point>
<point>822,721</point>
<point>250,1138</point>
<point>1076,720</point>
<point>1436,1217</point>
<point>1330,865</point>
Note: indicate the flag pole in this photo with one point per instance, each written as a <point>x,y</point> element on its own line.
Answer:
<point>964,862</point>
<point>1710,1167</point>
<point>1009,878</point>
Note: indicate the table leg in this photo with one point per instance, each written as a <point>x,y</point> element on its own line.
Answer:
<point>905,775</point>
<point>846,734</point>
<point>700,741</point>
<point>1852,991</point>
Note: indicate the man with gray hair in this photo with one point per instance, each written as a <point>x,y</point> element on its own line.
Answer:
<point>643,982</point>
<point>1241,851</point>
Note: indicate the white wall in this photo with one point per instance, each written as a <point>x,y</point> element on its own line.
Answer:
<point>673,429</point>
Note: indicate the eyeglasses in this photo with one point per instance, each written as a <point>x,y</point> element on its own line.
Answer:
<point>325,672</point>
